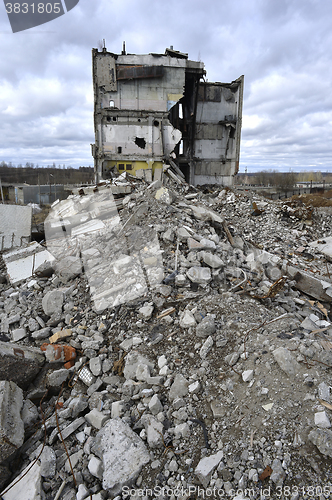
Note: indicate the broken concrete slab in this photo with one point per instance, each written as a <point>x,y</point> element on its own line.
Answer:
<point>200,275</point>
<point>11,424</point>
<point>315,286</point>
<point>28,486</point>
<point>123,455</point>
<point>21,263</point>
<point>324,246</point>
<point>20,364</point>
<point>322,438</point>
<point>15,226</point>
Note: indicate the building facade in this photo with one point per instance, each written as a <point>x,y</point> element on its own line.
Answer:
<point>156,109</point>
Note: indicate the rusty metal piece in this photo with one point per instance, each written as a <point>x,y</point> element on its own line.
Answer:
<point>274,289</point>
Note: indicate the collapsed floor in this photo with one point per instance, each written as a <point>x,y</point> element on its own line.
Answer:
<point>211,369</point>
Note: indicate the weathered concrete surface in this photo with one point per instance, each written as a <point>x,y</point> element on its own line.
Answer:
<point>123,454</point>
<point>15,226</point>
<point>11,424</point>
<point>20,364</point>
<point>28,488</point>
<point>315,286</point>
<point>322,438</point>
<point>22,262</point>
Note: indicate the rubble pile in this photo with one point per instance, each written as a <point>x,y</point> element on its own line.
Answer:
<point>177,339</point>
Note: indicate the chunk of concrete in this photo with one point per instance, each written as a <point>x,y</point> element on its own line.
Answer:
<point>11,424</point>
<point>187,320</point>
<point>286,361</point>
<point>200,275</point>
<point>322,438</point>
<point>213,260</point>
<point>133,360</point>
<point>179,387</point>
<point>20,364</point>
<point>123,455</point>
<point>206,327</point>
<point>68,268</point>
<point>52,302</point>
<point>315,286</point>
<point>206,466</point>
<point>26,486</point>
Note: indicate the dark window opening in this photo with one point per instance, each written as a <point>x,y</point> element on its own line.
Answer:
<point>119,149</point>
<point>129,166</point>
<point>139,120</point>
<point>140,142</point>
<point>156,123</point>
<point>114,118</point>
<point>121,166</point>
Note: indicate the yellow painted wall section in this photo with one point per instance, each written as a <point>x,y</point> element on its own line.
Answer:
<point>136,165</point>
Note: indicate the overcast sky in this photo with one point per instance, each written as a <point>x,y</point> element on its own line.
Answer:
<point>282,47</point>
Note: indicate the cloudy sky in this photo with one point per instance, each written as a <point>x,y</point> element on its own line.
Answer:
<point>282,47</point>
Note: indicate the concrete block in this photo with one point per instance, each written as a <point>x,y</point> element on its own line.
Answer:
<point>206,466</point>
<point>96,418</point>
<point>28,487</point>
<point>15,225</point>
<point>20,364</point>
<point>95,467</point>
<point>322,420</point>
<point>123,455</point>
<point>52,302</point>
<point>11,424</point>
<point>201,275</point>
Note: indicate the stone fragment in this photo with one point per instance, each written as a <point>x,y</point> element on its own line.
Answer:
<point>200,275</point>
<point>132,360</point>
<point>322,420</point>
<point>206,466</point>
<point>19,334</point>
<point>123,455</point>
<point>322,438</point>
<point>206,327</point>
<point>117,409</point>
<point>48,462</point>
<point>72,427</point>
<point>68,268</point>
<point>278,474</point>
<point>52,302</point>
<point>206,347</point>
<point>324,392</point>
<point>154,430</point>
<point>155,405</point>
<point>43,333</point>
<point>60,335</point>
<point>179,387</point>
<point>57,377</point>
<point>95,467</point>
<point>195,387</point>
<point>181,430</point>
<point>96,418</point>
<point>95,366</point>
<point>82,492</point>
<point>165,195</point>
<point>29,413</point>
<point>20,364</point>
<point>11,424</point>
<point>187,320</point>
<point>213,260</point>
<point>145,312</point>
<point>217,408</point>
<point>247,375</point>
<point>286,361</point>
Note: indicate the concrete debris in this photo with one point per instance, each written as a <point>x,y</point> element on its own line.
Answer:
<point>15,226</point>
<point>180,344</point>
<point>123,455</point>
<point>11,424</point>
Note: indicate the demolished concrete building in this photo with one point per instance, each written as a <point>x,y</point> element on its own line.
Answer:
<point>156,109</point>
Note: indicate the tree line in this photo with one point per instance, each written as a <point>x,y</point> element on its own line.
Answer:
<point>34,174</point>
